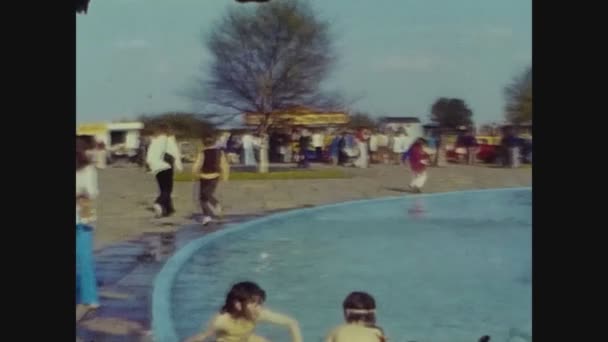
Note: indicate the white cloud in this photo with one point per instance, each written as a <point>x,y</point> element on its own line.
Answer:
<point>414,63</point>
<point>131,44</point>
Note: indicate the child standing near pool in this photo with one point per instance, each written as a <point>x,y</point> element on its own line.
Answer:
<point>419,161</point>
<point>360,316</point>
<point>240,314</point>
<point>210,167</point>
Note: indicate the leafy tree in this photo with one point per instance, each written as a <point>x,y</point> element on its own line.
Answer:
<point>362,119</point>
<point>518,108</point>
<point>451,113</point>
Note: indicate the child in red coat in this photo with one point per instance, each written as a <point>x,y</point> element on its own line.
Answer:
<point>419,161</point>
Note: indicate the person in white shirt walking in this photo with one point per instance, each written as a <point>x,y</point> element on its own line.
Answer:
<point>399,146</point>
<point>383,147</point>
<point>317,144</point>
<point>373,147</point>
<point>163,157</point>
<point>248,142</point>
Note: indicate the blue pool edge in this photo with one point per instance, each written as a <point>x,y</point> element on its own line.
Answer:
<point>162,324</point>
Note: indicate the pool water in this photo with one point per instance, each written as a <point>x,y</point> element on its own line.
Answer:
<point>449,267</point>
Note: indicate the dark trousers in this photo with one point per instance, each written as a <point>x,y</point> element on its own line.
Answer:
<point>165,186</point>
<point>207,188</point>
<point>319,153</point>
<point>303,162</point>
<point>471,155</point>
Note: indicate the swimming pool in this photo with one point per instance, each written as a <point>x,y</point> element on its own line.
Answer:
<point>442,267</point>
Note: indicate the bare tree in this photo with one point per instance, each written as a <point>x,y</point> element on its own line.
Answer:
<point>267,60</point>
<point>518,108</point>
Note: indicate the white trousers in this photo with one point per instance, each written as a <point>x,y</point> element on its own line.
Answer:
<point>418,179</point>
<point>514,151</point>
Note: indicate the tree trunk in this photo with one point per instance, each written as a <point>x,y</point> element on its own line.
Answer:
<point>263,165</point>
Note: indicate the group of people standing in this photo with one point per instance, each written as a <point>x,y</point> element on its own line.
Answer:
<point>363,147</point>
<point>163,158</point>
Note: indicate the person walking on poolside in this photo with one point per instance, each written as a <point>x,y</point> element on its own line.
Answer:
<point>383,147</point>
<point>163,157</point>
<point>304,144</point>
<point>335,148</point>
<point>209,168</point>
<point>248,143</point>
<point>243,309</point>
<point>373,147</point>
<point>86,192</point>
<point>359,310</point>
<point>471,146</point>
<point>510,147</point>
<point>400,146</point>
<point>361,139</point>
<point>318,144</point>
<point>419,161</point>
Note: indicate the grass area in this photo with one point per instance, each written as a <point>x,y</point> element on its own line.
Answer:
<point>495,166</point>
<point>275,175</point>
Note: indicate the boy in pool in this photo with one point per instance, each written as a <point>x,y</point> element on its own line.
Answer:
<point>240,314</point>
<point>360,316</point>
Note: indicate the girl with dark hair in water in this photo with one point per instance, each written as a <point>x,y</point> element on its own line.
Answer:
<point>238,317</point>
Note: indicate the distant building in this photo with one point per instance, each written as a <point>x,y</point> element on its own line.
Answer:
<point>119,137</point>
<point>299,117</point>
<point>411,125</point>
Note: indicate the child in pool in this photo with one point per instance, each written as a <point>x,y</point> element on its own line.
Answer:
<point>240,314</point>
<point>360,316</point>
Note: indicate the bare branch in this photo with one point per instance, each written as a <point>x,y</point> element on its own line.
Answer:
<point>268,58</point>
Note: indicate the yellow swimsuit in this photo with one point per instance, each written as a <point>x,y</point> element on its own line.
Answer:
<point>235,330</point>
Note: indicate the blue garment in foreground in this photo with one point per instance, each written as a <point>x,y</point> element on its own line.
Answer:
<point>86,282</point>
<point>334,149</point>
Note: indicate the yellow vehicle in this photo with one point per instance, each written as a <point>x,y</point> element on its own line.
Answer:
<point>488,140</point>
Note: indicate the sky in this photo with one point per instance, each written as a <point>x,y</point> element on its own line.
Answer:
<point>396,56</point>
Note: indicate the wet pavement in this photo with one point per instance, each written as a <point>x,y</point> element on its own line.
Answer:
<point>126,272</point>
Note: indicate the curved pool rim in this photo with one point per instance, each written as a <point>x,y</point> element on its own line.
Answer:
<point>162,324</point>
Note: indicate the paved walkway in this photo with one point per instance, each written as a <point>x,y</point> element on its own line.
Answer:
<point>127,194</point>
<point>132,246</point>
